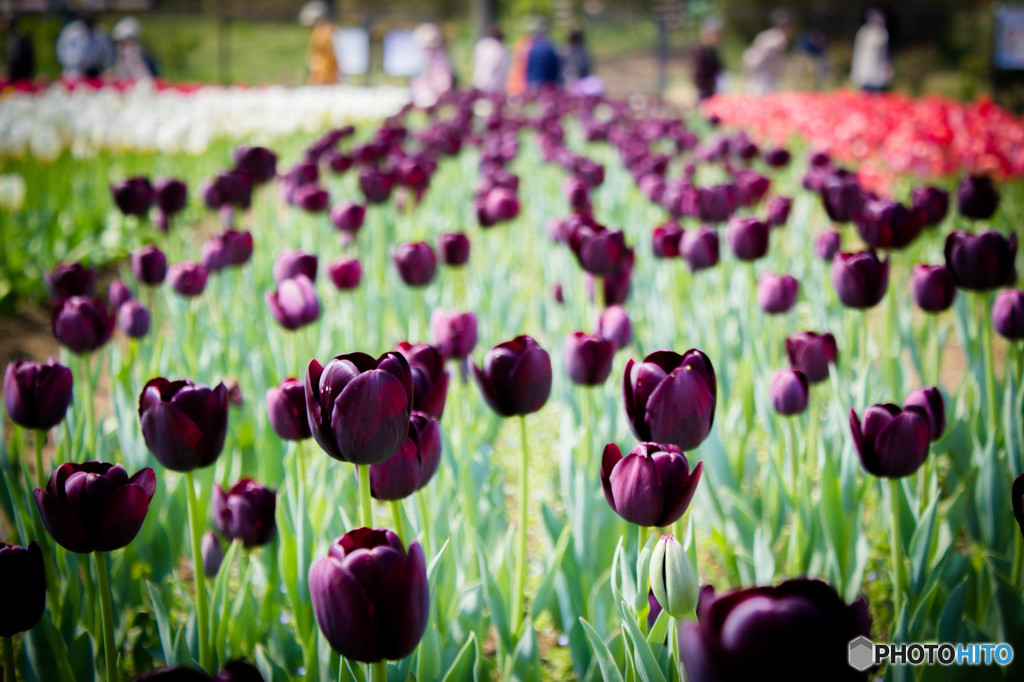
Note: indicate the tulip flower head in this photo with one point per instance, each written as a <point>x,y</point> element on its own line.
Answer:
<point>588,358</point>
<point>133,319</point>
<point>245,513</point>
<point>294,303</point>
<point>789,390</point>
<point>183,424</point>
<point>670,398</point>
<point>345,273</point>
<point>286,410</point>
<point>454,333</point>
<point>415,262</point>
<point>977,197</point>
<point>82,325</point>
<point>454,248</point>
<point>415,463</point>
<point>188,279</point>
<point>811,354</point>
<point>981,262</point>
<point>516,377</point>
<point>930,400</point>
<point>777,293</point>
<point>149,265</point>
<point>37,395</point>
<point>613,324</point>
<point>70,279</point>
<point>23,587</point>
<point>429,377</point>
<point>290,263</point>
<point>1008,314</point>
<point>651,486</point>
<point>891,442</point>
<point>672,580</point>
<point>933,287</point>
<point>860,279</point>
<point>827,245</point>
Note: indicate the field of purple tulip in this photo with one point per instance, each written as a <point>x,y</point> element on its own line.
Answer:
<point>543,388</point>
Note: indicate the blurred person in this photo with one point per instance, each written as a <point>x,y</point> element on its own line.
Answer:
<point>814,44</point>
<point>82,49</point>
<point>517,68</point>
<point>576,62</point>
<point>872,69</point>
<point>321,61</point>
<point>19,54</point>
<point>766,56</point>
<point>131,62</point>
<point>706,66</point>
<point>490,62</point>
<point>543,67</point>
<point>436,77</point>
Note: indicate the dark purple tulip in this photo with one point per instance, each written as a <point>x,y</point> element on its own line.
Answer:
<point>716,203</point>
<point>588,358</point>
<point>778,157</point>
<point>133,196</point>
<point>811,354</point>
<point>348,217</point>
<point>933,287</point>
<point>133,319</point>
<point>516,377</point>
<point>149,265</point>
<point>777,293</point>
<point>294,303</point>
<point>557,293</point>
<point>415,262</point>
<point>930,400</point>
<point>613,324</point>
<point>778,211</point>
<point>654,609</point>
<point>311,198</point>
<point>1017,500</point>
<point>375,185</point>
<point>747,634</point>
<point>286,410</point>
<point>700,248</point>
<point>415,463</point>
<point>345,273</point>
<point>931,203</point>
<point>230,188</point>
<point>235,671</point>
<point>82,324</point>
<point>977,197</point>
<point>885,224</point>
<point>36,395</point>
<point>842,195</point>
<point>188,279</point>
<point>891,442</point>
<point>245,513</point>
<point>981,262</point>
<point>290,263</point>
<point>498,205</point>
<point>371,599</point>
<point>358,407</point>
<point>337,161</point>
<point>748,238</point>
<point>22,588</point>
<point>860,279</point>
<point>213,554</point>
<point>665,240</point>
<point>454,248</point>
<point>651,486</point>
<point>259,163</point>
<point>94,506</point>
<point>827,245</point>
<point>670,398</point>
<point>215,256</point>
<point>454,333</point>
<point>751,186</point>
<point>789,391</point>
<point>614,289</point>
<point>171,196</point>
<point>183,424</point>
<point>1008,314</point>
<point>70,279</point>
<point>577,194</point>
<point>429,377</point>
<point>118,293</point>
<point>237,246</point>
<point>601,252</point>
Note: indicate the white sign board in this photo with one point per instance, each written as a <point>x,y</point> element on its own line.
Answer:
<point>1008,45</point>
<point>352,50</point>
<point>402,54</point>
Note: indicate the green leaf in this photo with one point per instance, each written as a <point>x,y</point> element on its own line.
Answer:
<point>647,665</point>
<point>953,614</point>
<point>604,658</point>
<point>46,653</point>
<point>920,546</point>
<point>495,601</point>
<point>464,666</point>
<point>163,626</point>
<point>428,658</point>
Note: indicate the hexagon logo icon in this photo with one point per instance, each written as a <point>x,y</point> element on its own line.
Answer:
<point>862,653</point>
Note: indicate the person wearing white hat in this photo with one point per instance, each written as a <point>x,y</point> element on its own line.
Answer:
<point>131,63</point>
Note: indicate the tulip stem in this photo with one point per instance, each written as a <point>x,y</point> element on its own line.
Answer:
<point>421,506</point>
<point>202,607</point>
<point>380,671</point>
<point>107,612</point>
<point>990,372</point>
<point>896,546</point>
<point>39,440</point>
<point>1018,563</point>
<point>10,671</point>
<point>90,409</point>
<point>396,511</point>
<point>365,503</point>
<point>520,574</point>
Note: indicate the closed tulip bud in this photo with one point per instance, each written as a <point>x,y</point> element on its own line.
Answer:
<point>981,262</point>
<point>286,410</point>
<point>348,217</point>
<point>746,634</point>
<point>977,197</point>
<point>778,157</point>
<point>82,324</point>
<point>860,279</point>
<point>778,211</point>
<point>237,246</point>
<point>454,333</point>
<point>133,196</point>
<point>670,398</point>
<point>188,279</point>
<point>751,186</point>
<point>931,203</point>
<point>171,196</point>
<point>789,391</point>
<point>1017,500</point>
<point>776,293</point>
<point>70,279</point>
<point>672,579</point>
<point>290,263</point>
<point>259,163</point>
<point>454,248</point>
<point>827,245</point>
<point>338,162</point>
<point>700,248</point>
<point>23,586</point>
<point>600,252</point>
<point>588,358</point>
<point>842,195</point>
<point>118,293</point>
<point>312,198</point>
<point>415,463</point>
<point>232,188</point>
<point>294,303</point>
<point>358,407</point>
<point>371,599</point>
<point>716,203</point>
<point>94,506</point>
<point>665,240</point>
<point>375,184</point>
<point>885,224</point>
<point>213,554</point>
<point>891,442</point>
<point>748,238</point>
<point>613,324</point>
<point>557,293</point>
<point>516,377</point>
<point>133,319</point>
<point>37,395</point>
<point>245,513</point>
<point>345,273</point>
<point>183,424</point>
<point>933,287</point>
<point>811,354</point>
<point>415,262</point>
<point>576,193</point>
<point>930,400</point>
<point>1008,314</point>
<point>149,266</point>
<point>651,486</point>
<point>497,206</point>
<point>429,377</point>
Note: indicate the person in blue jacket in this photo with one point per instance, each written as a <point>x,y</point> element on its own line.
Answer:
<point>543,66</point>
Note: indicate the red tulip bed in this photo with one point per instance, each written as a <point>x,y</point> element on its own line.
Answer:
<point>531,389</point>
